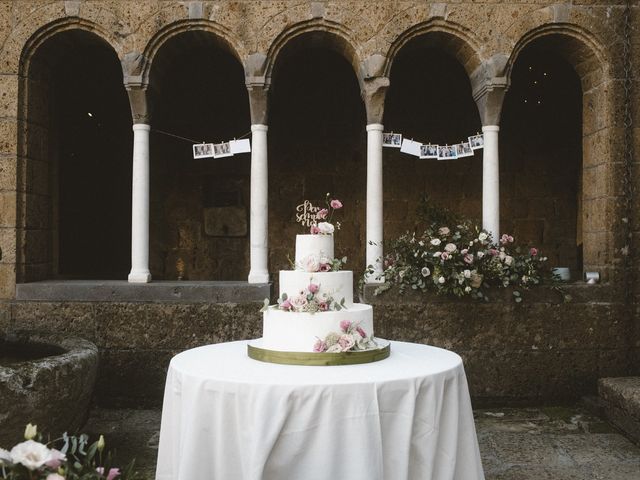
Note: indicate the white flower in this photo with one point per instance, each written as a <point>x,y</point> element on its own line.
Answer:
<point>31,454</point>
<point>55,476</point>
<point>508,260</point>
<point>437,254</point>
<point>421,243</point>
<point>30,431</point>
<point>426,272</point>
<point>5,457</point>
<point>450,247</point>
<point>502,255</point>
<point>325,227</point>
<point>480,254</point>
<point>310,263</point>
<point>483,236</point>
<point>467,273</point>
<point>444,230</point>
<point>441,280</point>
<point>435,242</point>
<point>467,289</point>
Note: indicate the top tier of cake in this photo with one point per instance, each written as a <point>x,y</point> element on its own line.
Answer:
<point>319,246</point>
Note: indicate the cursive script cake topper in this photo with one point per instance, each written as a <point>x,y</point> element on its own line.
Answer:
<point>308,215</point>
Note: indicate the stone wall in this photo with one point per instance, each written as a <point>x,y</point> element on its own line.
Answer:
<point>544,350</point>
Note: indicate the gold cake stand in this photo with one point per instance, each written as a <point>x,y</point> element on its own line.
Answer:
<point>255,351</point>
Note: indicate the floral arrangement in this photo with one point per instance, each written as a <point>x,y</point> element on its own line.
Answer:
<point>326,227</point>
<point>66,458</point>
<point>461,260</point>
<point>310,300</point>
<point>314,263</point>
<point>350,338</point>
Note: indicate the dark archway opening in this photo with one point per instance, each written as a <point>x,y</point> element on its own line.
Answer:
<point>541,156</point>
<point>199,208</point>
<point>317,144</point>
<point>79,161</point>
<point>429,101</point>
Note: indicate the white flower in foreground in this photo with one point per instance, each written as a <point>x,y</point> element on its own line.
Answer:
<point>30,431</point>
<point>441,280</point>
<point>437,254</point>
<point>32,455</point>
<point>480,254</point>
<point>508,260</point>
<point>325,227</point>
<point>483,236</point>
<point>426,272</point>
<point>467,273</point>
<point>450,247</point>
<point>435,242</point>
<point>467,289</point>
<point>5,457</point>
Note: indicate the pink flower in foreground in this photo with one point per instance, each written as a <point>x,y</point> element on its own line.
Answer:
<point>444,256</point>
<point>533,252</point>
<point>314,230</point>
<point>56,459</point>
<point>322,214</point>
<point>493,252</point>
<point>506,239</point>
<point>346,342</point>
<point>113,472</point>
<point>323,306</point>
<point>325,267</point>
<point>313,288</point>
<point>319,346</point>
<point>344,325</point>
<point>362,333</point>
<point>468,258</point>
<point>286,305</point>
<point>336,204</point>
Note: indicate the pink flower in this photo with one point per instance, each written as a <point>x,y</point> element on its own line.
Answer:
<point>450,247</point>
<point>286,305</point>
<point>298,302</point>
<point>362,333</point>
<point>533,252</point>
<point>322,214</point>
<point>336,204</point>
<point>310,263</point>
<point>443,231</point>
<point>319,346</point>
<point>444,256</point>
<point>313,288</point>
<point>506,239</point>
<point>323,306</point>
<point>493,252</point>
<point>55,460</point>
<point>345,325</point>
<point>325,267</point>
<point>468,258</point>
<point>464,251</point>
<point>113,472</point>
<point>314,230</point>
<point>346,342</point>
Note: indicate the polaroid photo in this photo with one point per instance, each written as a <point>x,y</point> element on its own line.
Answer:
<point>446,152</point>
<point>428,151</point>
<point>463,149</point>
<point>203,150</point>
<point>240,146</point>
<point>476,141</point>
<point>393,140</point>
<point>222,150</point>
<point>410,147</point>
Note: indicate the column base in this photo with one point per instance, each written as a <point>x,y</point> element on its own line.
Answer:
<point>258,277</point>
<point>139,277</point>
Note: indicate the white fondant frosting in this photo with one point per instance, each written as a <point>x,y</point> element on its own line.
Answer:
<point>298,332</point>
<point>317,245</point>
<point>338,285</point>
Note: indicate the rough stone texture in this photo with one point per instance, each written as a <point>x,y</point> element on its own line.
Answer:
<point>622,403</point>
<point>554,443</point>
<point>53,392</point>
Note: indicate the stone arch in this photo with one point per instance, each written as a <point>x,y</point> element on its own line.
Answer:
<point>598,187</point>
<point>327,33</point>
<point>452,38</point>
<point>223,35</point>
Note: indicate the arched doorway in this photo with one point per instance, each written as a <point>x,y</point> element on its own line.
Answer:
<point>77,162</point>
<point>541,154</point>
<point>199,208</point>
<point>429,100</point>
<point>317,144</point>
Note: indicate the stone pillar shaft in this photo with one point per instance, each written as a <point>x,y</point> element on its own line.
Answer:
<point>140,206</point>
<point>491,182</point>
<point>374,250</point>
<point>259,226</point>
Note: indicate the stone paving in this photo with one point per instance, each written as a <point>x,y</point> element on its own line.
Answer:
<point>547,443</point>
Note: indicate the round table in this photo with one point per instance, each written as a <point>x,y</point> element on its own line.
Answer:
<point>228,417</point>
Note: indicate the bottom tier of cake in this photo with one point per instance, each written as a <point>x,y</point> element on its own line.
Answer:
<point>299,332</point>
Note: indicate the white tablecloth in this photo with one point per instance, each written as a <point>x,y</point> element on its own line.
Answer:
<point>228,417</point>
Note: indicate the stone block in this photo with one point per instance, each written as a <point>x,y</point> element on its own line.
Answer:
<point>8,172</point>
<point>8,209</point>
<point>7,245</point>
<point>9,96</point>
<point>8,137</point>
<point>7,280</point>
<point>71,319</point>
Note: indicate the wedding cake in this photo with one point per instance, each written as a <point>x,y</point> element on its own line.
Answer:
<point>315,314</point>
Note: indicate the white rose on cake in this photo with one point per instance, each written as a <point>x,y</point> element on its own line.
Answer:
<point>310,263</point>
<point>326,228</point>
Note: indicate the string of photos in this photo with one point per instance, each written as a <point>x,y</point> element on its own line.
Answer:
<point>215,150</point>
<point>431,150</point>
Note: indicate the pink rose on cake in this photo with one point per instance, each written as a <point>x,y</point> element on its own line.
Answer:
<point>320,346</point>
<point>326,228</point>
<point>310,264</point>
<point>298,302</point>
<point>346,342</point>
<point>313,288</point>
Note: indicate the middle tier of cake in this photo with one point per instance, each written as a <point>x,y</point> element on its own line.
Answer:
<point>337,285</point>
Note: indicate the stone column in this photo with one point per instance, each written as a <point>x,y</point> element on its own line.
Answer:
<point>373,92</point>
<point>491,182</point>
<point>259,208</point>
<point>140,187</point>
<point>488,91</point>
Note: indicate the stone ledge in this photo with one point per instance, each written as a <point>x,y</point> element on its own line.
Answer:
<point>160,291</point>
<point>621,397</point>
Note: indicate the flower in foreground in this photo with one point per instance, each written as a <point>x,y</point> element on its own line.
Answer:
<point>425,271</point>
<point>310,263</point>
<point>314,230</point>
<point>319,346</point>
<point>5,457</point>
<point>450,247</point>
<point>313,288</point>
<point>113,472</point>
<point>435,242</point>
<point>346,342</point>
<point>55,476</point>
<point>322,214</point>
<point>30,431</point>
<point>326,227</point>
<point>345,325</point>
<point>443,231</point>
<point>336,204</point>
<point>57,457</point>
<point>533,252</point>
<point>483,236</point>
<point>31,454</point>
<point>441,280</point>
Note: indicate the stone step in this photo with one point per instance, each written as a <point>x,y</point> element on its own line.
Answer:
<point>621,397</point>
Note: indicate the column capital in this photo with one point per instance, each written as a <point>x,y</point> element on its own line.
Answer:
<point>373,91</point>
<point>139,101</point>
<point>258,89</point>
<point>489,84</point>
